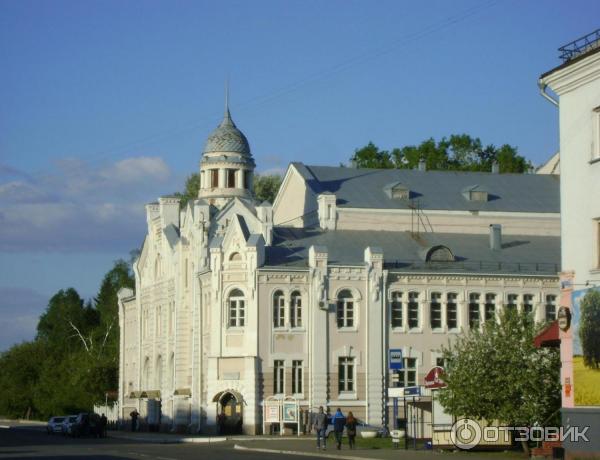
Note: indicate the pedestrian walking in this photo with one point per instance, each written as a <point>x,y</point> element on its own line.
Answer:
<point>134,414</point>
<point>320,426</point>
<point>339,422</point>
<point>351,424</point>
<point>103,423</point>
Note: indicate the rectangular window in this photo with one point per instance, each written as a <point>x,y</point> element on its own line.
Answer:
<point>345,313</point>
<point>231,178</point>
<point>346,375</point>
<point>439,361</point>
<point>296,313</point>
<point>490,307</point>
<point>550,307</point>
<point>278,375</point>
<point>452,311</point>
<point>406,377</point>
<point>236,312</point>
<point>214,178</point>
<point>297,377</point>
<point>597,229</point>
<point>511,302</point>
<point>528,303</point>
<point>396,310</point>
<point>413,310</point>
<point>596,133</point>
<point>474,312</point>
<point>436,310</point>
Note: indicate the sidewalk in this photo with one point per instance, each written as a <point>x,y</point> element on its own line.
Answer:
<point>170,438</point>
<point>301,448</point>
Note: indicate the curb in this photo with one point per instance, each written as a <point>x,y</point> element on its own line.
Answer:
<point>301,454</point>
<point>188,440</point>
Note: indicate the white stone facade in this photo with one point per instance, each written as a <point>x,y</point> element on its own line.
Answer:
<point>216,321</point>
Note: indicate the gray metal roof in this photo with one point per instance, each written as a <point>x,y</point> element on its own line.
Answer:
<point>402,251</point>
<point>227,138</point>
<point>443,190</point>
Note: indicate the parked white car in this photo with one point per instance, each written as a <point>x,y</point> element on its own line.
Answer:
<point>55,425</point>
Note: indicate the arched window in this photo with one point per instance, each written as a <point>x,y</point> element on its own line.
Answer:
<point>345,309</point>
<point>231,178</point>
<point>158,267</point>
<point>396,310</point>
<point>278,309</point>
<point>171,375</point>
<point>235,257</point>
<point>296,309</point>
<point>159,373</point>
<point>146,374</point>
<point>237,308</point>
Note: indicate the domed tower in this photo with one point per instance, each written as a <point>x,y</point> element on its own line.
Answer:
<point>227,166</point>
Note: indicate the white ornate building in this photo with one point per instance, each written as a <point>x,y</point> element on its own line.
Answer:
<point>236,301</point>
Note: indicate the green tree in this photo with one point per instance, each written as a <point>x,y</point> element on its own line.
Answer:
<point>265,187</point>
<point>589,329</point>
<point>191,188</point>
<point>67,320</point>
<point>498,374</point>
<point>459,152</point>
<point>20,368</point>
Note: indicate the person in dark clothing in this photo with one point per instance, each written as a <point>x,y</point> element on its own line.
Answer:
<point>103,423</point>
<point>351,424</point>
<point>320,425</point>
<point>134,414</point>
<point>339,422</point>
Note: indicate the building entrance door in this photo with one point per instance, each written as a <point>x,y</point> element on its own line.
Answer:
<point>231,413</point>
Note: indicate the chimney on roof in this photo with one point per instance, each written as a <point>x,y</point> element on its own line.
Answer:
<point>495,167</point>
<point>495,237</point>
<point>422,165</point>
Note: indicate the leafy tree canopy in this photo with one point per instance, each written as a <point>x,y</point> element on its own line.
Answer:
<point>457,153</point>
<point>589,329</point>
<point>498,374</point>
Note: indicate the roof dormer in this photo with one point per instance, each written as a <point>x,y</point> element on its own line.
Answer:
<point>476,193</point>
<point>397,191</point>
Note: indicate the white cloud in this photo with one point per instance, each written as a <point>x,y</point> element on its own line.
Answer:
<point>82,207</point>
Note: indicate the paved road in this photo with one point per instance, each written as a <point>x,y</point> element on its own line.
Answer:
<point>32,442</point>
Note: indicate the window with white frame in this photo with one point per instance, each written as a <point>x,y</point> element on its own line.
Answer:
<point>597,231</point>
<point>452,311</point>
<point>237,308</point>
<point>528,303</point>
<point>278,309</point>
<point>550,307</point>
<point>406,377</point>
<point>490,307</point>
<point>296,310</point>
<point>345,309</point>
<point>474,311</point>
<point>511,302</point>
<point>297,377</point>
<point>396,310</point>
<point>278,377</point>
<point>440,361</point>
<point>346,375</point>
<point>413,310</point>
<point>596,133</point>
<point>435,310</point>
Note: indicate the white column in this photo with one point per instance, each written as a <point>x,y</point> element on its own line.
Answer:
<point>239,178</point>
<point>222,178</point>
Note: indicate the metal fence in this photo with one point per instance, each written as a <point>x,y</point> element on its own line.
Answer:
<point>467,266</point>
<point>581,45</point>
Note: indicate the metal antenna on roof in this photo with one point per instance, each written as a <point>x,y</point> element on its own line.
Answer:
<point>227,97</point>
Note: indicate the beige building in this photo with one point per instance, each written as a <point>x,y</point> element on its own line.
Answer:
<point>237,301</point>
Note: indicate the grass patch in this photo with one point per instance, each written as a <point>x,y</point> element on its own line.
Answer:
<point>586,383</point>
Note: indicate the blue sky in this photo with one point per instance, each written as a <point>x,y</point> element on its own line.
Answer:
<point>106,105</point>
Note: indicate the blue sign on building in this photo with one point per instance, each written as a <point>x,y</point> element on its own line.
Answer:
<point>395,359</point>
<point>412,391</point>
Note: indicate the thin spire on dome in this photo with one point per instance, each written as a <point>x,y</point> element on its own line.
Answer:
<point>227,117</point>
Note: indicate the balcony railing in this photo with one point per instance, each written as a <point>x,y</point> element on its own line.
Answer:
<point>580,46</point>
<point>470,266</point>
